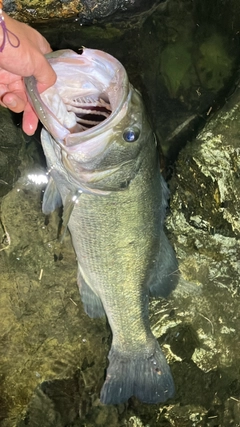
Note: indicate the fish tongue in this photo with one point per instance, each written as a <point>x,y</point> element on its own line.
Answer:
<point>55,103</point>
<point>76,128</point>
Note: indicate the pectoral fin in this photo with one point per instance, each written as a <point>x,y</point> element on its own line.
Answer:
<point>51,199</point>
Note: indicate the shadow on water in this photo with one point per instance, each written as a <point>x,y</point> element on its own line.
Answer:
<point>185,67</point>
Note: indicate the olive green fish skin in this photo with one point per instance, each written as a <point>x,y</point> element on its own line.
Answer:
<point>116,249</point>
<point>123,256</point>
<point>122,251</point>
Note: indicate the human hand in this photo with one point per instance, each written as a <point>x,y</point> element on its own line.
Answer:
<point>15,64</point>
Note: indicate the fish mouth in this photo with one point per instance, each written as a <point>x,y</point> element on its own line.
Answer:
<point>89,110</point>
<point>88,99</point>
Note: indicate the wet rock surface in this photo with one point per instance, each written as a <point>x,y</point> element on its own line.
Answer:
<point>204,222</point>
<point>224,12</point>
<point>86,10</point>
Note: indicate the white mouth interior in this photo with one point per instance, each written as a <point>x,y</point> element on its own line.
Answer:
<point>89,111</point>
<point>88,90</point>
<point>81,112</point>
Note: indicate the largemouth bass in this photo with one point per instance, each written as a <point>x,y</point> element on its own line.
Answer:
<point>103,165</point>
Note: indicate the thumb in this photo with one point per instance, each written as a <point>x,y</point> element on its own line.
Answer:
<point>45,75</point>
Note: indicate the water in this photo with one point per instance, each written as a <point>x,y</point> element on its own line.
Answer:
<point>53,357</point>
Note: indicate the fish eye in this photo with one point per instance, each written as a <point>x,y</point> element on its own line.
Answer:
<point>131,134</point>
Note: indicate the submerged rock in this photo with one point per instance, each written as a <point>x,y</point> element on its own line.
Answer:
<point>42,334</point>
<point>53,357</point>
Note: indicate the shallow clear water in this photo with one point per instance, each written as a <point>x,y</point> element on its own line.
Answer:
<point>53,357</point>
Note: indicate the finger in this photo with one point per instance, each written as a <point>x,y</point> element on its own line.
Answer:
<point>7,78</point>
<point>30,120</point>
<point>2,104</point>
<point>47,78</point>
<point>45,46</point>
<point>14,102</point>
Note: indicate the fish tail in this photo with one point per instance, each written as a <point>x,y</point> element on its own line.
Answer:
<point>146,376</point>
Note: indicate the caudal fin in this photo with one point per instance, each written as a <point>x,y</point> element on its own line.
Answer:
<point>148,377</point>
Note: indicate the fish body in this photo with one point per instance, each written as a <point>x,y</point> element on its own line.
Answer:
<point>103,166</point>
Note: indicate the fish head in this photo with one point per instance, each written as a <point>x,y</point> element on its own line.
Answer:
<point>96,118</point>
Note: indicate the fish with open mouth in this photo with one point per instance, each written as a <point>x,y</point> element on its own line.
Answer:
<point>103,164</point>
